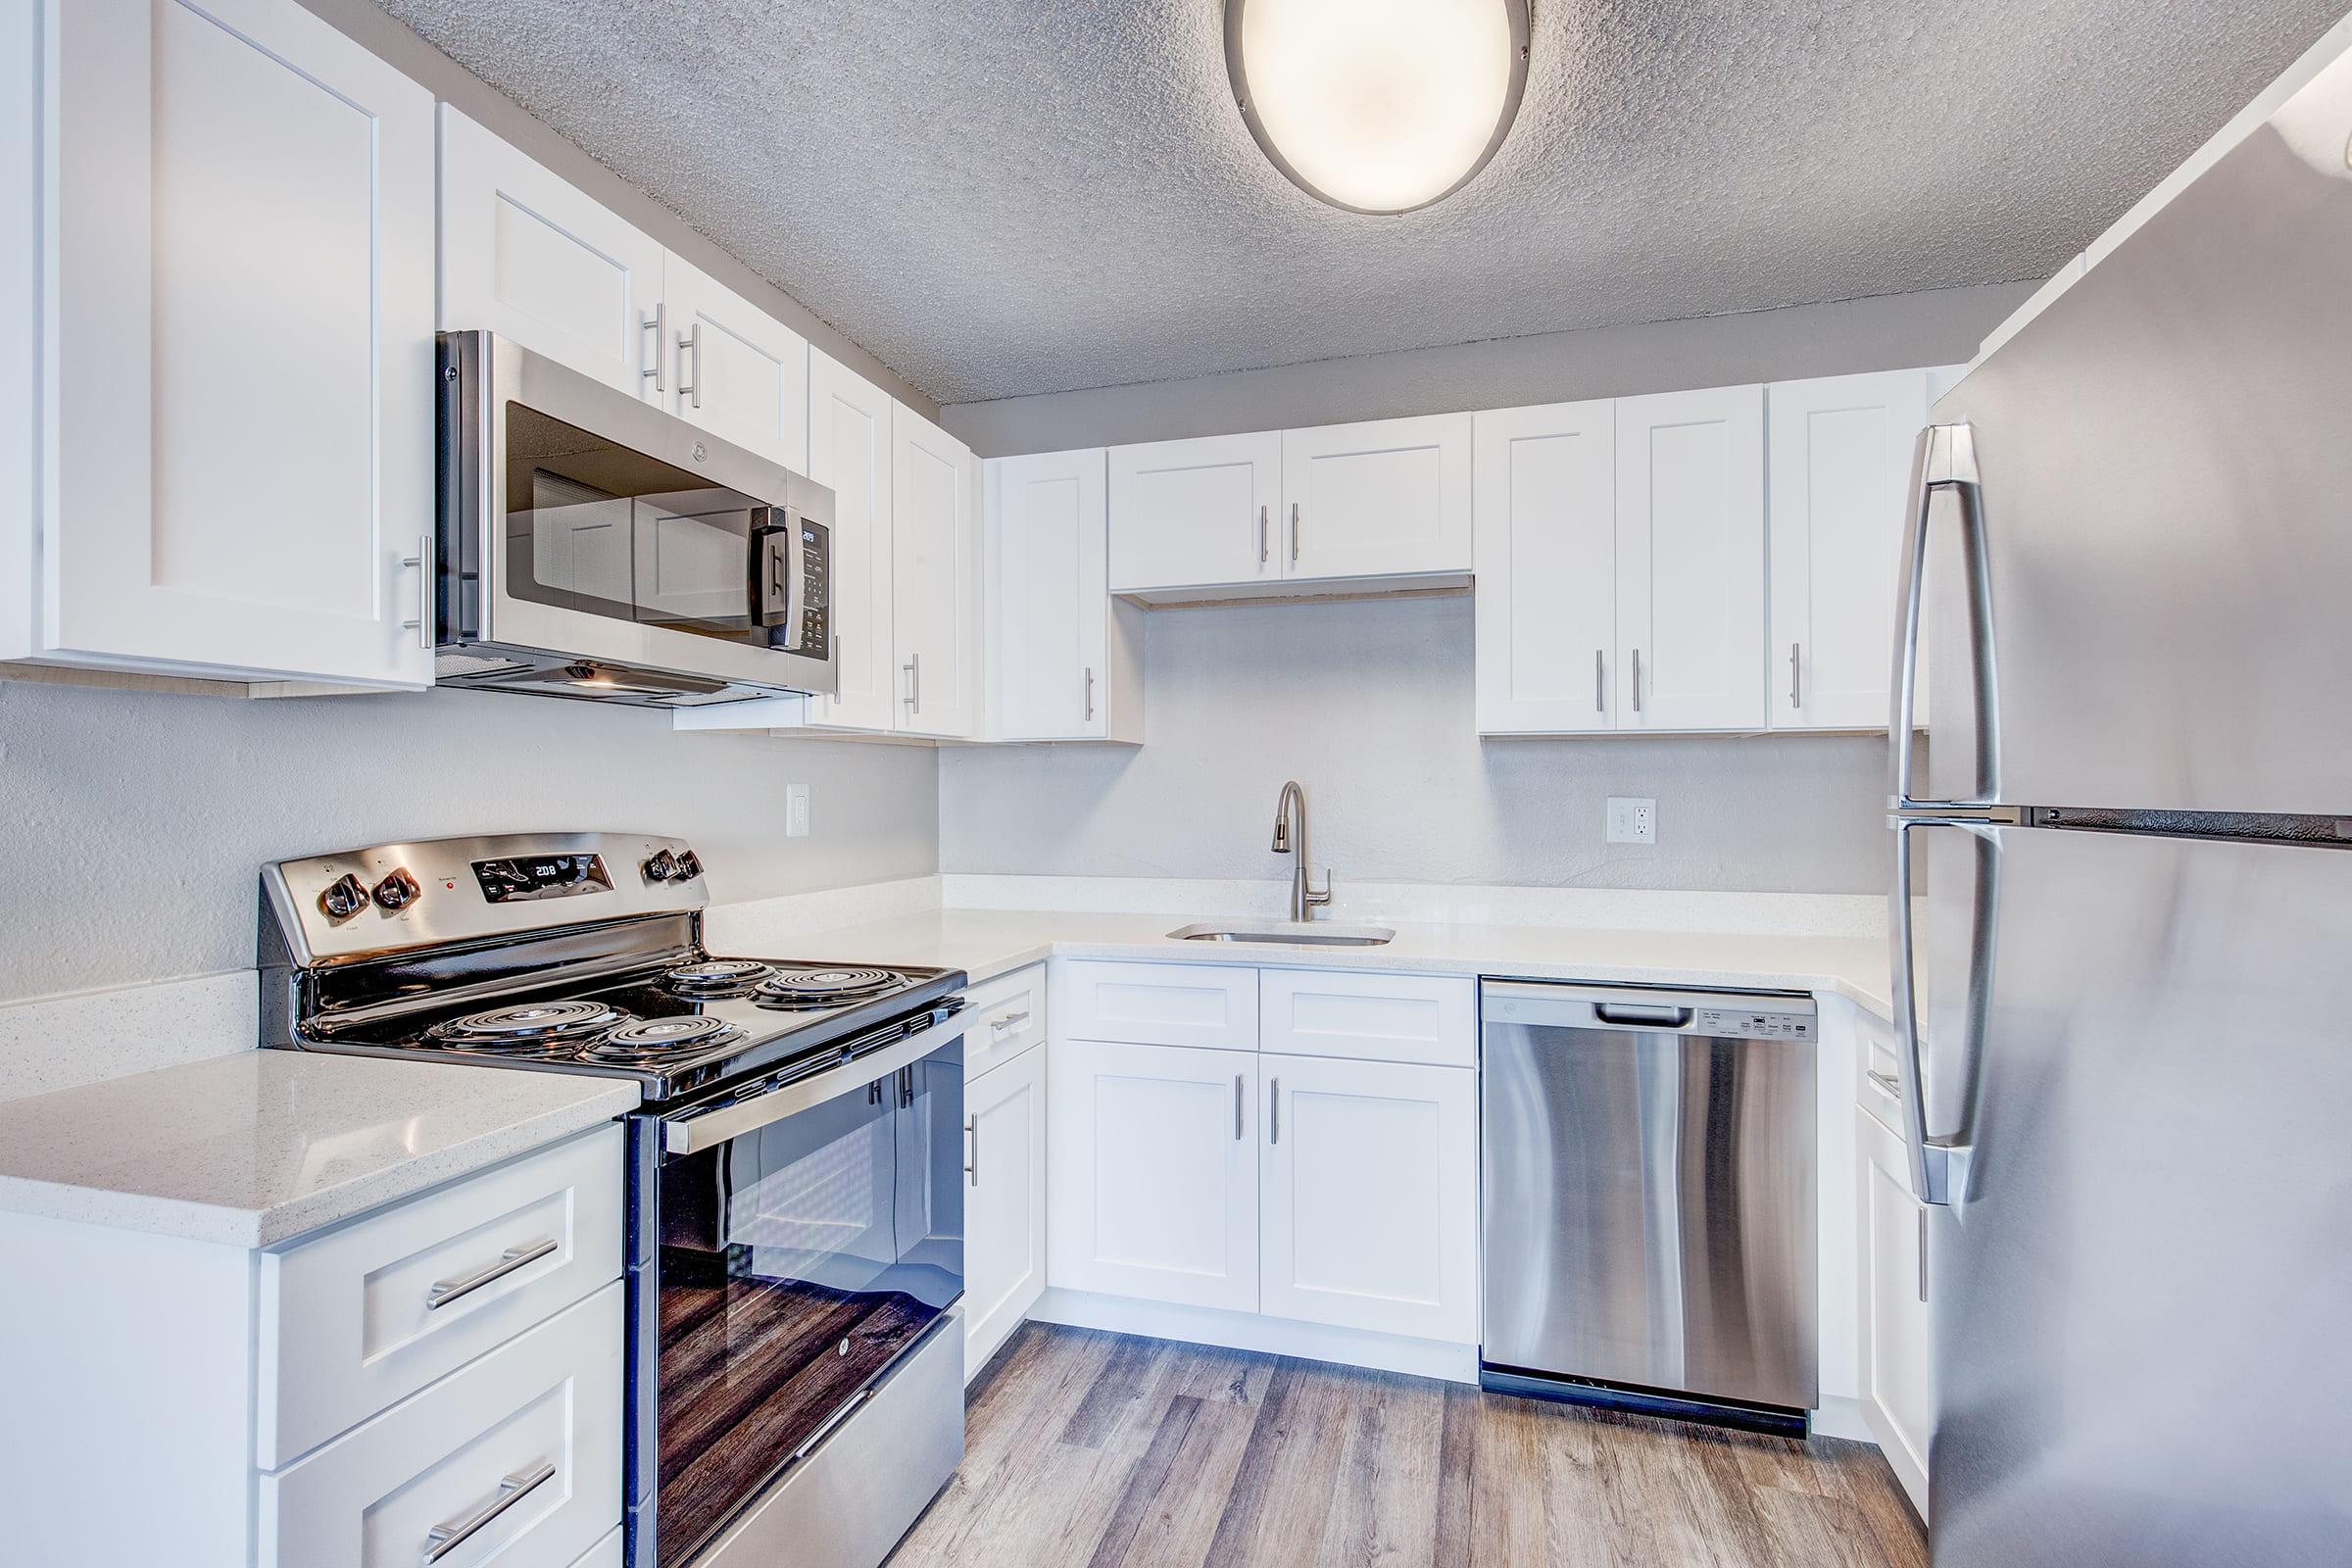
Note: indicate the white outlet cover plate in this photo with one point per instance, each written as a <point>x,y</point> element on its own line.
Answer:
<point>1633,819</point>
<point>796,811</point>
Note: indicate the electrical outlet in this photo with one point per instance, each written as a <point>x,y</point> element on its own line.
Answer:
<point>796,811</point>
<point>1633,819</point>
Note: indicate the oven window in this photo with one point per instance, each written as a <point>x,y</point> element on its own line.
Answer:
<point>798,1261</point>
<point>594,526</point>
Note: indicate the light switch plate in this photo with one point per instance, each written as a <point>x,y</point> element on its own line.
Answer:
<point>796,811</point>
<point>1633,819</point>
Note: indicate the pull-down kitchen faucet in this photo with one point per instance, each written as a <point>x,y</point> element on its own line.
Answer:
<point>1304,893</point>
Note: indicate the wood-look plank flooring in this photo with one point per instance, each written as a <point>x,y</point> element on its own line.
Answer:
<point>1100,1451</point>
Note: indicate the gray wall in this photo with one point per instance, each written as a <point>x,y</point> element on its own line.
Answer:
<point>135,822</point>
<point>1368,705</point>
<point>1884,333</point>
<point>395,42</point>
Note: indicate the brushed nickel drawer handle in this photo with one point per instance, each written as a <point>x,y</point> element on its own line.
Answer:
<point>522,1256</point>
<point>1887,1083</point>
<point>444,1539</point>
<point>1000,1025</point>
<point>971,1127</point>
<point>1261,536</point>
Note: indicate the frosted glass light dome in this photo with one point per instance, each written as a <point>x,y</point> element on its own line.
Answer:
<point>1378,105</point>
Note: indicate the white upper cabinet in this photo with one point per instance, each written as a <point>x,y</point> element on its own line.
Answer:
<point>934,596</point>
<point>528,254</point>
<point>1690,559</point>
<point>1193,514</point>
<point>850,453</point>
<point>1546,608</point>
<point>1068,658</point>
<point>239,358</point>
<point>1840,466</point>
<point>735,370</point>
<point>1387,498</point>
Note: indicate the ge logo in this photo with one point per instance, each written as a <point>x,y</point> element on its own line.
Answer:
<point>698,452</point>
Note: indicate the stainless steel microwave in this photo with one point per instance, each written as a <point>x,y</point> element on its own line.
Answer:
<point>592,546</point>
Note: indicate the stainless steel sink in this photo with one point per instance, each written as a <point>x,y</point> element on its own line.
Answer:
<point>1287,933</point>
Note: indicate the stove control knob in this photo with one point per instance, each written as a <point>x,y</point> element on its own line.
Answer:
<point>689,866</point>
<point>662,867</point>
<point>397,891</point>
<point>345,898</point>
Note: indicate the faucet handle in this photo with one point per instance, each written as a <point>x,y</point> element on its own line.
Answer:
<point>1322,895</point>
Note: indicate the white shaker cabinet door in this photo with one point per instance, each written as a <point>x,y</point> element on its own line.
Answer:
<point>241,355</point>
<point>1545,605</point>
<point>1384,498</point>
<point>1050,600</point>
<point>850,455</point>
<point>531,257</point>
<point>1690,560</point>
<point>1840,466</point>
<point>735,370</point>
<point>1898,1377</point>
<point>1153,1150</point>
<point>1004,1202</point>
<point>935,594</point>
<point>1196,513</point>
<point>1370,1205</point>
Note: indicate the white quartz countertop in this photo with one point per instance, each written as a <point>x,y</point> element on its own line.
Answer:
<point>986,943</point>
<point>251,1149</point>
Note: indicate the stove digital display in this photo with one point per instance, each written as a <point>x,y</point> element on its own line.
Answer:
<point>541,876</point>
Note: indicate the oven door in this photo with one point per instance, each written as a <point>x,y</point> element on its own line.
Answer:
<point>799,1241</point>
<point>585,523</point>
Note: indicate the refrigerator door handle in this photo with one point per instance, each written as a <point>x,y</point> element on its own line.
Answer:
<point>1941,1165</point>
<point>1945,459</point>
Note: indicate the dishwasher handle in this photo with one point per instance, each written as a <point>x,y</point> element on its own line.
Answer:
<point>1629,1015</point>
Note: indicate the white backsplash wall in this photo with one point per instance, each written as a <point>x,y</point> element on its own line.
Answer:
<point>136,822</point>
<point>1369,704</point>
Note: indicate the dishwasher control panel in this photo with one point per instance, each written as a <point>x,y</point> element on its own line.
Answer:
<point>1761,1024</point>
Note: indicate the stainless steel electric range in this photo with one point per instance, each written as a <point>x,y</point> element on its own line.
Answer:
<point>796,1205</point>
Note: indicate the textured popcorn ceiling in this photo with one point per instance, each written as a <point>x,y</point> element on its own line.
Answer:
<point>1007,196</point>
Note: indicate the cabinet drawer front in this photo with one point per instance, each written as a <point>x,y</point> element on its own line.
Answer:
<point>519,1453</point>
<point>1157,1004</point>
<point>1006,1016</point>
<point>1877,1075</point>
<point>347,1324</point>
<point>1370,1018</point>
<point>605,1553</point>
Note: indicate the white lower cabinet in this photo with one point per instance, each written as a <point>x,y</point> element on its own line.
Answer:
<point>1898,1372</point>
<point>1368,1206</point>
<point>1334,1184</point>
<point>517,1457</point>
<point>1004,1202</point>
<point>1154,1162</point>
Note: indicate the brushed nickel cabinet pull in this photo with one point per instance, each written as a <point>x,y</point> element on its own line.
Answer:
<point>522,1256</point>
<point>422,560</point>
<point>1796,690</point>
<point>653,368</point>
<point>691,342</point>
<point>444,1539</point>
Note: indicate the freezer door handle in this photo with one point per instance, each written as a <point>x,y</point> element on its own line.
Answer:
<point>1945,459</point>
<point>1940,1164</point>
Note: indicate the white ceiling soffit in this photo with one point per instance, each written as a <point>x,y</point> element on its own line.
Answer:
<point>1010,196</point>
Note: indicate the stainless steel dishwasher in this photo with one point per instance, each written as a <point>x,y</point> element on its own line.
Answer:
<point>1648,1193</point>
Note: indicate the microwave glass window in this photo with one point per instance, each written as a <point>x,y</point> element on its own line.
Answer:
<point>594,526</point>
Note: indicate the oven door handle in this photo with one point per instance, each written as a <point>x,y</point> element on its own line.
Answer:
<point>699,1130</point>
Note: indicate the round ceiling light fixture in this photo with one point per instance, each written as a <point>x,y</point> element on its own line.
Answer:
<point>1378,105</point>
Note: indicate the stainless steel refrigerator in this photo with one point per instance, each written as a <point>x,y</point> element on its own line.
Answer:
<point>2131,551</point>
